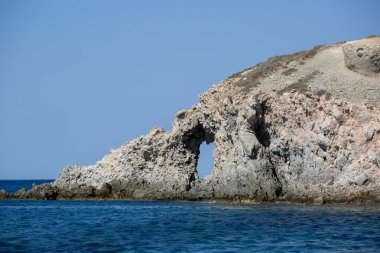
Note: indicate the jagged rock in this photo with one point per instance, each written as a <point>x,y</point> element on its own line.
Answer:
<point>3,194</point>
<point>249,143</point>
<point>323,142</point>
<point>296,144</point>
<point>38,192</point>
<point>116,185</point>
<point>105,190</point>
<point>181,114</point>
<point>338,115</point>
<point>361,180</point>
<point>340,161</point>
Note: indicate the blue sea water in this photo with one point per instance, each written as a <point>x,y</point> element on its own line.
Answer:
<point>180,226</point>
<point>14,185</point>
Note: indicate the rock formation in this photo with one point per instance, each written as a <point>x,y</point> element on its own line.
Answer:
<point>302,128</point>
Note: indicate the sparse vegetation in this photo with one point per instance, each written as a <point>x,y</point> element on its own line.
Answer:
<point>254,74</point>
<point>289,71</point>
<point>301,85</point>
<point>323,92</point>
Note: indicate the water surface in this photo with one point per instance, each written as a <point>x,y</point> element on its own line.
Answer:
<point>12,186</point>
<point>158,226</point>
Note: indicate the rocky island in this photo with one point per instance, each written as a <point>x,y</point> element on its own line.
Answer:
<point>300,128</point>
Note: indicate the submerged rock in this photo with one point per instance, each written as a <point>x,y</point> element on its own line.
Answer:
<point>277,137</point>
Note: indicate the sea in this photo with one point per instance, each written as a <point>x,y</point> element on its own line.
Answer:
<point>12,186</point>
<point>186,226</point>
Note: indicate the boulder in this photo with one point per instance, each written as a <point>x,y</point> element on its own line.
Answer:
<point>361,180</point>
<point>363,56</point>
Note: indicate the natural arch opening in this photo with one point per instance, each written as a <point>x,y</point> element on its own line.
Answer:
<point>205,163</point>
<point>199,141</point>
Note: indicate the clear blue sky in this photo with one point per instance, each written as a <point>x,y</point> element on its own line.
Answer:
<point>78,78</point>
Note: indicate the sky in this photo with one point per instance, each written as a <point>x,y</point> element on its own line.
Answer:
<point>78,78</point>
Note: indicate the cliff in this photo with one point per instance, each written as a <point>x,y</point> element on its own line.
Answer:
<point>302,128</point>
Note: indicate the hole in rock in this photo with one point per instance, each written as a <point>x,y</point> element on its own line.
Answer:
<point>261,129</point>
<point>262,134</point>
<point>205,160</point>
<point>199,141</point>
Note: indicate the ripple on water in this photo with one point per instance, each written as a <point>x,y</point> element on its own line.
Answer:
<point>159,226</point>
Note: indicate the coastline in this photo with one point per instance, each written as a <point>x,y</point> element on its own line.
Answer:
<point>48,192</point>
<point>297,127</point>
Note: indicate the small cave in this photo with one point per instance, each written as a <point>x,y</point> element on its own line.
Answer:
<point>262,134</point>
<point>261,128</point>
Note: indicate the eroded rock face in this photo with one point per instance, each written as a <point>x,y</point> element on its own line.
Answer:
<point>158,165</point>
<point>268,146</point>
<point>291,144</point>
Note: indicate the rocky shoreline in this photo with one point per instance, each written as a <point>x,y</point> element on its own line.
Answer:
<point>302,128</point>
<point>50,192</point>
